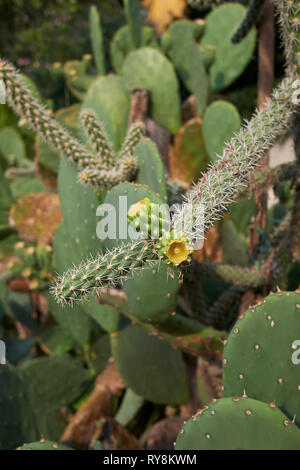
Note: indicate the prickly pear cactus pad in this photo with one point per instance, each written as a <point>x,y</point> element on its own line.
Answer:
<point>239,424</point>
<point>231,59</point>
<point>259,354</point>
<point>44,445</point>
<point>147,67</point>
<point>109,99</point>
<point>224,117</point>
<point>151,367</point>
<point>152,293</point>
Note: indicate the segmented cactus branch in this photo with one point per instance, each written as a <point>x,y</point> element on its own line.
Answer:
<point>104,271</point>
<point>220,315</point>
<point>289,19</point>
<point>97,176</point>
<point>27,106</point>
<point>222,183</point>
<point>135,132</point>
<point>97,137</point>
<point>237,275</point>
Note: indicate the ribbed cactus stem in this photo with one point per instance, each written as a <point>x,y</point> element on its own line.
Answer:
<point>97,176</point>
<point>237,275</point>
<point>289,18</point>
<point>222,183</point>
<point>97,136</point>
<point>26,105</point>
<point>41,120</point>
<point>135,133</point>
<point>106,270</point>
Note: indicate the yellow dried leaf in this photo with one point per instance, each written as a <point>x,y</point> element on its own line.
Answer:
<point>162,12</point>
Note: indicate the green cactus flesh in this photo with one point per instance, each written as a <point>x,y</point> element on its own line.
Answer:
<point>151,367</point>
<point>239,424</point>
<point>224,117</point>
<point>44,445</point>
<point>230,60</point>
<point>149,68</point>
<point>152,293</point>
<point>258,357</point>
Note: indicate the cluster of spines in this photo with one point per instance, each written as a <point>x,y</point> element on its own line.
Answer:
<point>289,18</point>
<point>103,271</point>
<point>226,179</point>
<point>40,119</point>
<point>26,105</point>
<point>134,135</point>
<point>96,176</point>
<point>97,136</point>
<point>252,16</point>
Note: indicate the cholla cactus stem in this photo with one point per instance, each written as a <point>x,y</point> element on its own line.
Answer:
<point>103,271</point>
<point>222,183</point>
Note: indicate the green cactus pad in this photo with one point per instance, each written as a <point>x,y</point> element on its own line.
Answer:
<point>105,315</point>
<point>44,445</point>
<point>151,169</point>
<point>57,341</point>
<point>231,59</point>
<point>235,250</point>
<point>241,212</point>
<point>150,366</point>
<point>148,68</point>
<point>152,294</point>
<point>181,35</point>
<point>258,354</point>
<point>97,42</point>
<point>16,415</point>
<point>133,193</point>
<point>133,16</point>
<point>220,121</point>
<point>6,200</point>
<point>239,424</point>
<point>190,156</point>
<point>74,320</point>
<point>131,404</point>
<point>62,249</point>
<point>109,99</point>
<point>68,379</point>
<point>122,45</point>
<point>78,206</point>
<point>199,79</point>
<point>12,147</point>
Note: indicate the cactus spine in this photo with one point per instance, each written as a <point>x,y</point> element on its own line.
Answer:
<point>103,271</point>
<point>222,183</point>
<point>289,19</point>
<point>40,120</point>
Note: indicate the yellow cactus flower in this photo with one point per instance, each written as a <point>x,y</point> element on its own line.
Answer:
<point>177,251</point>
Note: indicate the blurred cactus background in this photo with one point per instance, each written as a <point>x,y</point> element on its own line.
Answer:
<point>126,345</point>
